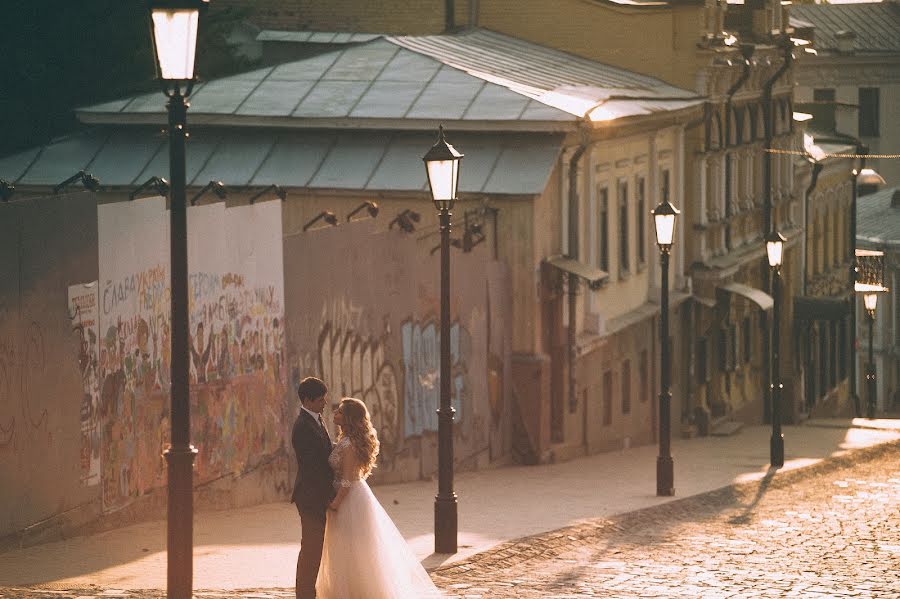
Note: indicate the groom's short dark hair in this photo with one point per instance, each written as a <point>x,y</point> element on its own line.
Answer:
<point>311,388</point>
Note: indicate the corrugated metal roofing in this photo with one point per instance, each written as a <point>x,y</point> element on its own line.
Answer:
<point>877,221</point>
<point>314,37</point>
<point>358,160</point>
<point>473,76</point>
<point>876,24</point>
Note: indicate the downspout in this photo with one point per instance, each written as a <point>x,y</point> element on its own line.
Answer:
<point>816,169</point>
<point>747,52</point>
<point>690,390</point>
<point>767,107</point>
<point>572,279</point>
<point>767,195</point>
<point>861,150</point>
<point>449,16</point>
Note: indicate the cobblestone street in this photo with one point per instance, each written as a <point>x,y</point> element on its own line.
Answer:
<point>829,530</point>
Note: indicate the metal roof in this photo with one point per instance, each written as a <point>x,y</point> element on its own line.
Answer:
<point>358,160</point>
<point>472,76</point>
<point>314,37</point>
<point>877,219</point>
<point>876,24</point>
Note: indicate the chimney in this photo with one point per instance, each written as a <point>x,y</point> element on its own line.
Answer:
<point>845,41</point>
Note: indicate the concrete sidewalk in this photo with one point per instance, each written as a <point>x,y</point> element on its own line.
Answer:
<point>257,547</point>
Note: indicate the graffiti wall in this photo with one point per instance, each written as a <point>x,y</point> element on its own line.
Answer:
<point>47,465</point>
<point>236,305</point>
<point>364,315</point>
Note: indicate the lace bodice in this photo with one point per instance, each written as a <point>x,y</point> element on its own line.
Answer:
<point>336,461</point>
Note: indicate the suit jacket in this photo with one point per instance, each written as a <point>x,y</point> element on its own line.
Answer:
<point>313,488</point>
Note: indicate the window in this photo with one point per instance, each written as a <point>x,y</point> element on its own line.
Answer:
<point>868,112</point>
<point>726,347</point>
<point>603,229</point>
<point>823,109</point>
<point>626,387</point>
<point>644,374</point>
<point>702,360</point>
<point>607,398</point>
<point>833,353</point>
<point>641,221</point>
<point>624,258</point>
<point>747,350</point>
<point>842,349</point>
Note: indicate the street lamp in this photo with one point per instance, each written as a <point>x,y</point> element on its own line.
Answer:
<point>664,217</point>
<point>870,299</point>
<point>775,251</point>
<point>174,31</point>
<point>865,181</point>
<point>442,166</point>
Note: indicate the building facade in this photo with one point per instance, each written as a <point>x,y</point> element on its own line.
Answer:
<point>854,76</point>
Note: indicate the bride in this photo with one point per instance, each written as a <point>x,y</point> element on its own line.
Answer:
<point>364,555</point>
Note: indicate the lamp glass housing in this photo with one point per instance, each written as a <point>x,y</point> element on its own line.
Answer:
<point>871,302</point>
<point>442,167</point>
<point>775,251</point>
<point>664,216</point>
<point>175,41</point>
<point>869,176</point>
<point>443,176</point>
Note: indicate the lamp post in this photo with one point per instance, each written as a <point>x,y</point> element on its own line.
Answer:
<point>442,166</point>
<point>871,302</point>
<point>664,217</point>
<point>174,27</point>
<point>865,181</point>
<point>775,251</point>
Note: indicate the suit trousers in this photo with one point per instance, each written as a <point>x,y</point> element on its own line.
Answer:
<point>312,523</point>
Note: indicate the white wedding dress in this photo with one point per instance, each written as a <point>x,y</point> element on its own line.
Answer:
<point>364,556</point>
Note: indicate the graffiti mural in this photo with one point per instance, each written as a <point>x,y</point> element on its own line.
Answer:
<point>361,316</point>
<point>236,310</point>
<point>355,366</point>
<point>421,362</point>
<point>85,325</point>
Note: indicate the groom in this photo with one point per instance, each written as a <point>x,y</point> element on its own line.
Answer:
<point>313,488</point>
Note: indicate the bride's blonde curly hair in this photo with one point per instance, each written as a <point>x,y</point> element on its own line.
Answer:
<point>358,428</point>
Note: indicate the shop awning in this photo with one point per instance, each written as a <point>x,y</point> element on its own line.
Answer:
<point>592,276</point>
<point>820,308</point>
<point>757,296</point>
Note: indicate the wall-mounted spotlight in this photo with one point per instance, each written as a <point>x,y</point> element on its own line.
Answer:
<point>279,193</point>
<point>217,188</point>
<point>327,216</point>
<point>89,181</point>
<point>160,185</point>
<point>405,220</point>
<point>370,207</point>
<point>6,190</point>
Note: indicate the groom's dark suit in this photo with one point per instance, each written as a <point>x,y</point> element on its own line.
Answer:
<point>313,491</point>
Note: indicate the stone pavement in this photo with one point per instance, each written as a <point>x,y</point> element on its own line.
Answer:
<point>597,501</point>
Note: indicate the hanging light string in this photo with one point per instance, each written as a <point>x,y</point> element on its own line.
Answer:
<point>827,155</point>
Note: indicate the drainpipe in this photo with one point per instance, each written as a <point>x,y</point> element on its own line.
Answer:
<point>767,108</point>
<point>786,45</point>
<point>816,169</point>
<point>449,16</point>
<point>572,279</point>
<point>747,52</point>
<point>861,150</point>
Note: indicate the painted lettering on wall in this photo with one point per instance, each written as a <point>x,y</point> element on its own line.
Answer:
<point>421,364</point>
<point>354,365</point>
